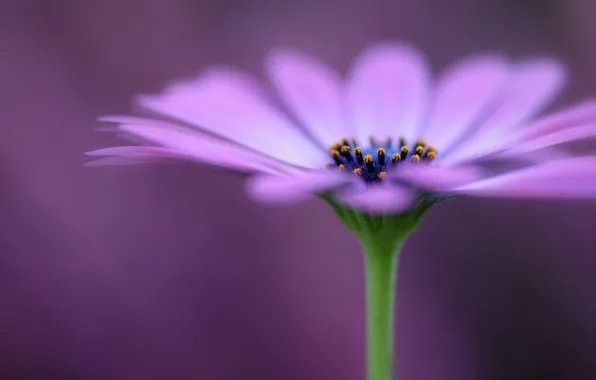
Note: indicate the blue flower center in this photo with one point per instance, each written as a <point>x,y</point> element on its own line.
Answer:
<point>373,162</point>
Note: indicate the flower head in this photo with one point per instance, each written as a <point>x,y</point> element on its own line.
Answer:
<point>377,140</point>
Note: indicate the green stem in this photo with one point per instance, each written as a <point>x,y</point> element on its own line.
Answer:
<point>381,275</point>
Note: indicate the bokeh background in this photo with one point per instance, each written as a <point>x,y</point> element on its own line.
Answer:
<point>170,272</point>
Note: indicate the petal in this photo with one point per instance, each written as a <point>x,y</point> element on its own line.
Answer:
<point>572,177</point>
<point>388,90</point>
<point>377,199</point>
<point>563,136</point>
<point>438,178</point>
<point>201,147</point>
<point>580,114</point>
<point>463,93</point>
<point>313,92</point>
<point>233,106</point>
<point>532,86</point>
<point>301,186</point>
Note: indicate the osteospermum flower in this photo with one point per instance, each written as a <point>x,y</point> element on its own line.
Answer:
<point>381,145</point>
<point>377,139</point>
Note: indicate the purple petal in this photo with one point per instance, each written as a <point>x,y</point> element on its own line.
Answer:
<point>233,106</point>
<point>566,178</point>
<point>379,199</point>
<point>463,92</point>
<point>438,178</point>
<point>563,136</point>
<point>301,186</point>
<point>581,114</point>
<point>388,92</point>
<point>531,87</point>
<point>313,92</point>
<point>198,147</point>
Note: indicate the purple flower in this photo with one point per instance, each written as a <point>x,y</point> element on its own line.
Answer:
<point>378,138</point>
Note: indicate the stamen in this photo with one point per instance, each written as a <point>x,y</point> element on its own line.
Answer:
<point>374,167</point>
<point>345,151</point>
<point>430,155</point>
<point>358,154</point>
<point>404,152</point>
<point>381,155</point>
<point>336,158</point>
<point>368,159</point>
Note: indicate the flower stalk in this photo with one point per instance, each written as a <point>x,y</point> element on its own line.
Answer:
<point>381,274</point>
<point>381,238</point>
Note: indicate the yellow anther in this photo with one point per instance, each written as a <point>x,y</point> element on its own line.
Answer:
<point>419,150</point>
<point>381,151</point>
<point>334,153</point>
<point>415,158</point>
<point>431,155</point>
<point>405,149</point>
<point>357,151</point>
<point>357,171</point>
<point>342,167</point>
<point>368,159</point>
<point>395,157</point>
<point>336,146</point>
<point>345,149</point>
<point>430,149</point>
<point>382,175</point>
<point>421,142</point>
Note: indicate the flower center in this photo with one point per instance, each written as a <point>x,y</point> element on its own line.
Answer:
<point>372,163</point>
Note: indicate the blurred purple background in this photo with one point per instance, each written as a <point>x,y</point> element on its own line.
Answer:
<point>145,273</point>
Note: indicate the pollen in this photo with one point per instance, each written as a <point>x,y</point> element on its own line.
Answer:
<point>373,160</point>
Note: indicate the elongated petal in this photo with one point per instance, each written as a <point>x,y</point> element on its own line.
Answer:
<point>313,92</point>
<point>567,178</point>
<point>559,137</point>
<point>533,86</point>
<point>296,188</point>
<point>437,178</point>
<point>133,155</point>
<point>233,106</point>
<point>463,93</point>
<point>581,114</point>
<point>377,199</point>
<point>388,91</point>
<point>199,146</point>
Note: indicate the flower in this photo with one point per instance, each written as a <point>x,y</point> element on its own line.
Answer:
<point>378,140</point>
